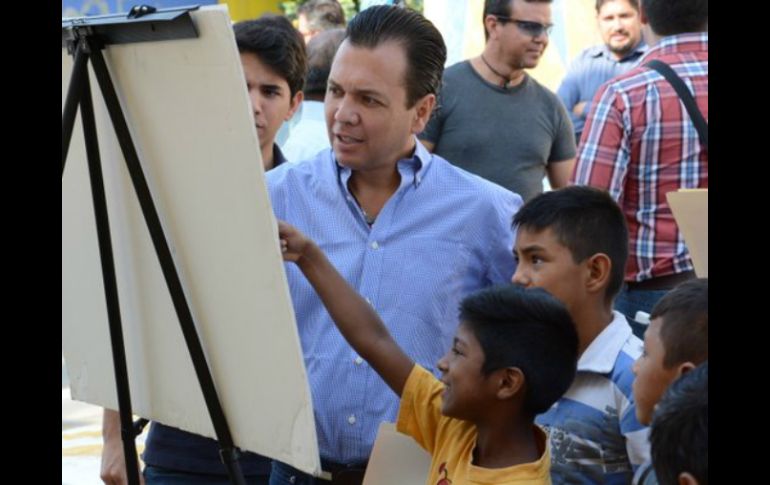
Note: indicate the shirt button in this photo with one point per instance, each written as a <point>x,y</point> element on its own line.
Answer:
<point>369,301</point>
<point>375,245</point>
<point>352,419</point>
<point>358,361</point>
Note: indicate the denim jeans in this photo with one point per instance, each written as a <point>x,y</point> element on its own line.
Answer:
<point>154,475</point>
<point>283,474</point>
<point>629,302</point>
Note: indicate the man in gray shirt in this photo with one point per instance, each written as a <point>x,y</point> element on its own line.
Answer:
<point>496,121</point>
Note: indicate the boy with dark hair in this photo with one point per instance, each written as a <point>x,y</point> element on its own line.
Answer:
<point>674,344</point>
<point>573,243</point>
<point>679,432</point>
<point>274,64</point>
<point>513,355</point>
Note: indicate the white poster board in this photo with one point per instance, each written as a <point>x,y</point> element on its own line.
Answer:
<point>396,458</point>
<point>691,212</point>
<point>189,114</point>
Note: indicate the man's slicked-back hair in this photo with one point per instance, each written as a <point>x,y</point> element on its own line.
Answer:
<point>323,14</point>
<point>502,8</point>
<point>684,330</point>
<point>679,434</point>
<point>585,220</point>
<point>671,17</point>
<point>528,329</point>
<point>277,44</point>
<point>422,42</point>
<point>600,3</point>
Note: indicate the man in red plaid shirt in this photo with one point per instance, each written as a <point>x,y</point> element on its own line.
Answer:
<point>639,143</point>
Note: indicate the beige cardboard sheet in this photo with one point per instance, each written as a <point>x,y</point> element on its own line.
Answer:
<point>691,211</point>
<point>188,111</point>
<point>396,458</point>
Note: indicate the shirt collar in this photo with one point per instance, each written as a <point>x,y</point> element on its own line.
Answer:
<point>604,51</point>
<point>412,169</point>
<point>676,44</point>
<point>601,354</point>
<point>278,157</point>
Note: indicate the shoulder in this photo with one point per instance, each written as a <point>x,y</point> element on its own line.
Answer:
<point>484,191</point>
<point>300,179</point>
<point>588,56</point>
<point>457,75</point>
<point>545,99</point>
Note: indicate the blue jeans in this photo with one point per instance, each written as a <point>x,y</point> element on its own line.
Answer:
<point>154,475</point>
<point>283,474</point>
<point>629,302</point>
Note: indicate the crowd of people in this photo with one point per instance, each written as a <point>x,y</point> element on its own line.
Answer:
<point>439,287</point>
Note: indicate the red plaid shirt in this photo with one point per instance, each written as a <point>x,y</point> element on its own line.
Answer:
<point>639,144</point>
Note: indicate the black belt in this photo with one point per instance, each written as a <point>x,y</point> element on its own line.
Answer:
<point>661,282</point>
<point>343,474</point>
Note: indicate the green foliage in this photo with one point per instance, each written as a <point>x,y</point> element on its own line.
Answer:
<point>350,7</point>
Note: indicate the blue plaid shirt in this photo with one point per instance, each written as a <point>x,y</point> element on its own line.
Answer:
<point>443,234</point>
<point>586,74</point>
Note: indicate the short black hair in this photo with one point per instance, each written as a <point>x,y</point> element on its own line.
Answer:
<point>684,329</point>
<point>528,329</point>
<point>679,434</point>
<point>323,14</point>
<point>634,4</point>
<point>422,42</point>
<point>671,17</point>
<point>502,8</point>
<point>320,54</point>
<point>586,221</point>
<point>277,44</point>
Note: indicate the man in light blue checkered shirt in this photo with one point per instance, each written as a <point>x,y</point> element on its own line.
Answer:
<point>409,231</point>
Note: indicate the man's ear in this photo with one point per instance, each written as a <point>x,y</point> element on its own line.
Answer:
<point>687,479</point>
<point>510,382</point>
<point>599,268</point>
<point>490,22</point>
<point>296,100</point>
<point>424,108</point>
<point>684,368</point>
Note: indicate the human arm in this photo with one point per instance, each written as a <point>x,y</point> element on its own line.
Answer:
<point>355,318</point>
<point>560,172</point>
<point>604,151</point>
<point>113,465</point>
<point>570,96</point>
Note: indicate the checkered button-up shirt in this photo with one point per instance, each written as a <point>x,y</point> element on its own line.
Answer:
<point>639,144</point>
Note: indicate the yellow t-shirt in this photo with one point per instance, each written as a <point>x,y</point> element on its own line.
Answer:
<point>451,441</point>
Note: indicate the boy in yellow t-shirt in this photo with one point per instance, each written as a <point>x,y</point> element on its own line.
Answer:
<point>514,354</point>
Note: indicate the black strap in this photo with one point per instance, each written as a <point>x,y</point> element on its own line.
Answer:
<point>684,94</point>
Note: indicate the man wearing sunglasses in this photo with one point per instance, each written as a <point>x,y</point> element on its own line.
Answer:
<point>496,121</point>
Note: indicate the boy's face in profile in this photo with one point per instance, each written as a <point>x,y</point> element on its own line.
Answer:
<point>652,377</point>
<point>270,95</point>
<point>465,384</point>
<point>543,262</point>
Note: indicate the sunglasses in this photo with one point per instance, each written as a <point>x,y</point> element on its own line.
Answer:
<point>535,29</point>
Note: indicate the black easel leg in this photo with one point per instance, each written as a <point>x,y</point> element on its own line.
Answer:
<point>110,283</point>
<point>79,71</point>
<point>228,452</point>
